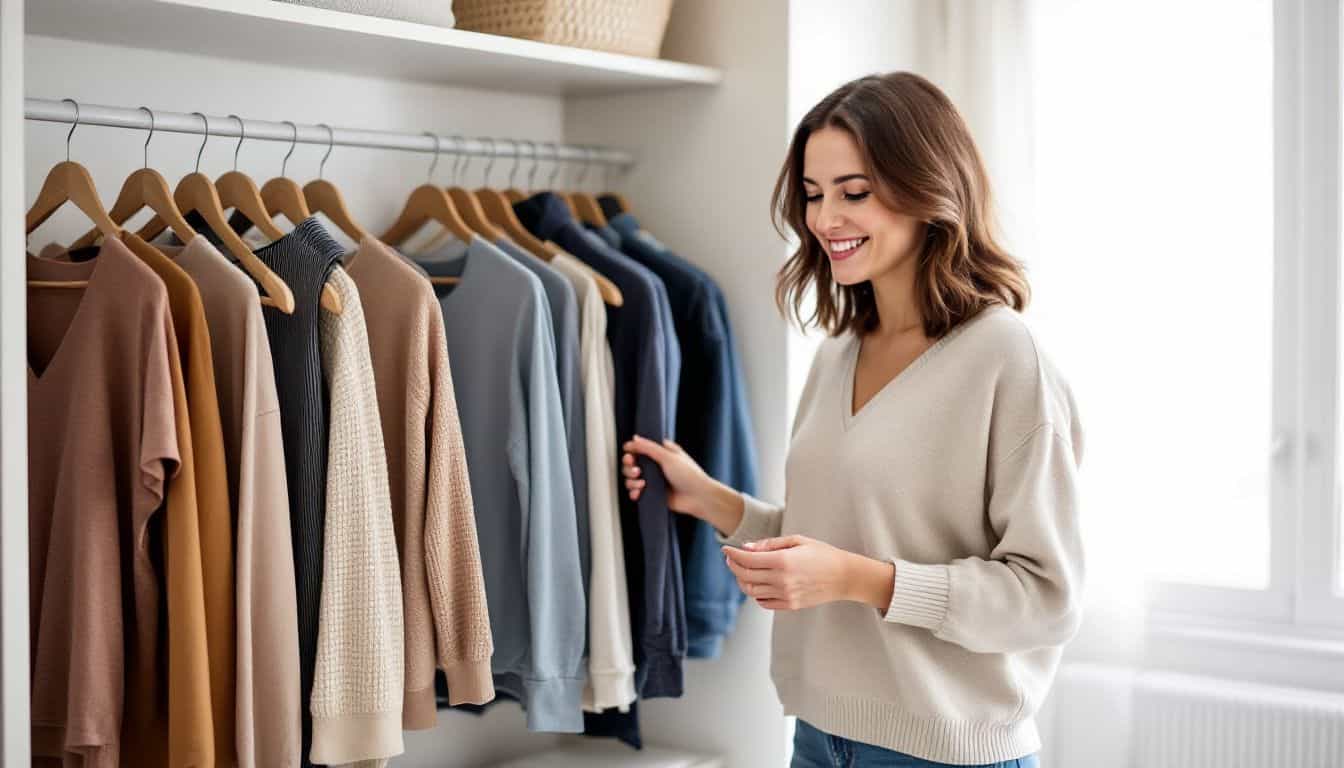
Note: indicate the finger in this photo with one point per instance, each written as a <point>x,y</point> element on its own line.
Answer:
<point>773,605</point>
<point>776,543</point>
<point>739,557</point>
<point>747,576</point>
<point>646,447</point>
<point>672,445</point>
<point>634,485</point>
<point>762,591</point>
<point>630,470</point>
<point>634,495</point>
<point>760,560</point>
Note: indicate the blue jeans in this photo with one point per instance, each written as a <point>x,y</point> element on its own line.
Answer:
<point>815,749</point>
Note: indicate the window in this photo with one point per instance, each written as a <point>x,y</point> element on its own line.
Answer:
<point>1187,270</point>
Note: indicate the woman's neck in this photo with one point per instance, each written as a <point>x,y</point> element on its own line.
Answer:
<point>898,311</point>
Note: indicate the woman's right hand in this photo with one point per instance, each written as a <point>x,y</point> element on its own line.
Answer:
<point>688,486</point>
<point>690,490</point>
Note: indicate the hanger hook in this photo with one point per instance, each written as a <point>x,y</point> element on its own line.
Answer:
<point>151,133</point>
<point>205,120</point>
<point>583,172</point>
<point>72,128</point>
<point>485,177</point>
<point>429,177</point>
<point>293,139</point>
<point>242,134</point>
<point>555,158</point>
<point>517,159</point>
<point>460,164</point>
<point>331,140</point>
<point>532,174</point>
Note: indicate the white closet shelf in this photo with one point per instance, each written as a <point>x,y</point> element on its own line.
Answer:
<point>316,38</point>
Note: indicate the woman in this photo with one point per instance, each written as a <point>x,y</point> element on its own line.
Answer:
<point>926,568</point>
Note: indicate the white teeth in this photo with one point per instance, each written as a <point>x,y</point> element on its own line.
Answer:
<point>838,246</point>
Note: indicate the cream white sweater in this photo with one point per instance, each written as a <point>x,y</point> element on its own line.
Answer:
<point>359,674</point>
<point>963,472</point>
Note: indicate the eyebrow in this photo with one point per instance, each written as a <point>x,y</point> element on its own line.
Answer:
<point>840,179</point>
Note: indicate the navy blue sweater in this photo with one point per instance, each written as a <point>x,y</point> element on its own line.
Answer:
<point>713,425</point>
<point>647,364</point>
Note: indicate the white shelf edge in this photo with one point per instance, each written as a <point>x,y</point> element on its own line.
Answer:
<point>459,38</point>
<point>582,71</point>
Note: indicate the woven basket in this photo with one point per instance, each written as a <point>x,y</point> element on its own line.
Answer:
<point>633,27</point>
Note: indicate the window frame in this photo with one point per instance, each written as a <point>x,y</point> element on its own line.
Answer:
<point>1305,509</point>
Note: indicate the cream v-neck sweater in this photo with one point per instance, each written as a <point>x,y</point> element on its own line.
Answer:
<point>962,471</point>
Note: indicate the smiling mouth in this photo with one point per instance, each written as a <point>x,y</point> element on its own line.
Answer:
<point>843,249</point>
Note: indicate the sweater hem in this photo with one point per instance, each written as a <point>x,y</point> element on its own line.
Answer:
<point>929,737</point>
<point>664,677</point>
<point>348,738</point>
<point>552,705</point>
<point>469,682</point>
<point>614,689</point>
<point>418,710</point>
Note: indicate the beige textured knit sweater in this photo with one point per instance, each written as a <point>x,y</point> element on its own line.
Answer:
<point>358,677</point>
<point>447,622</point>
<point>963,472</point>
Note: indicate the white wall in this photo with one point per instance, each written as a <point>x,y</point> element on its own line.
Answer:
<point>707,161</point>
<point>830,43</point>
<point>14,672</point>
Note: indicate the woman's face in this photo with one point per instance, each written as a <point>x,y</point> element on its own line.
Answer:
<point>864,239</point>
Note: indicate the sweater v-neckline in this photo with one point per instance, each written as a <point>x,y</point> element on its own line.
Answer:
<point>851,416</point>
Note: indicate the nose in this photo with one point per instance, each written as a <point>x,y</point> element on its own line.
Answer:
<point>829,218</point>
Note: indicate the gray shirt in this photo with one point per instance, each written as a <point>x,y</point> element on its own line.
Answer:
<point>501,345</point>
<point>564,306</point>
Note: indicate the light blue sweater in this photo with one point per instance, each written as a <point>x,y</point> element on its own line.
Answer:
<point>501,347</point>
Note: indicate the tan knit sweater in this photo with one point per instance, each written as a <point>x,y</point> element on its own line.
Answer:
<point>443,588</point>
<point>962,471</point>
<point>358,677</point>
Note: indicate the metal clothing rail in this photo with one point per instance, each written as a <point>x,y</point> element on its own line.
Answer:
<point>56,111</point>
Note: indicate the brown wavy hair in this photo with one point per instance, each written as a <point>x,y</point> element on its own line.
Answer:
<point>923,162</point>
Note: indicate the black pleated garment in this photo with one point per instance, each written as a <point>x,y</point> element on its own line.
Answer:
<point>303,259</point>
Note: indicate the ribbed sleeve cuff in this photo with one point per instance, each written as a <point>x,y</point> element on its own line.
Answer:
<point>348,738</point>
<point>469,682</point>
<point>759,521</point>
<point>919,597</point>
<point>555,705</point>
<point>613,689</point>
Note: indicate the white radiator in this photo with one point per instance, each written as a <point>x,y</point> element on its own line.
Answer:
<point>1101,716</point>
<point>1193,722</point>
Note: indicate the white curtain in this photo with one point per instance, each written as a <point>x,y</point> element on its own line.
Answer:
<point>981,54</point>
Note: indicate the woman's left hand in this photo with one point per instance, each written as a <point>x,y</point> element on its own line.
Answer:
<point>790,573</point>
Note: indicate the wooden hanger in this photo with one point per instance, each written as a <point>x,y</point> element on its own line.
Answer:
<point>282,194</point>
<point>469,205</point>
<point>429,202</point>
<point>323,197</point>
<point>195,192</point>
<point>238,191</point>
<point>144,188</point>
<point>68,182</point>
<point>585,204</point>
